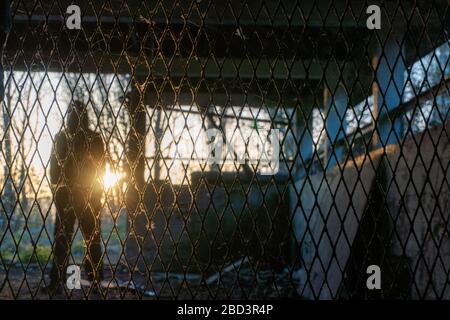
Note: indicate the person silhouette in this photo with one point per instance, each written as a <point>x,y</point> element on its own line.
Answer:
<point>77,166</point>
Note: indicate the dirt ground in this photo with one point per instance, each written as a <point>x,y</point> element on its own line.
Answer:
<point>15,284</point>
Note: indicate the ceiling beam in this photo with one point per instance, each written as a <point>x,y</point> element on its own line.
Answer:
<point>286,13</point>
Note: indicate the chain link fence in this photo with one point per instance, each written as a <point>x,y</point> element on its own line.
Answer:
<point>134,139</point>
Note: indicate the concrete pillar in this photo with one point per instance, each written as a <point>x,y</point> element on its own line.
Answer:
<point>204,103</point>
<point>5,26</point>
<point>135,170</point>
<point>390,83</point>
<point>304,135</point>
<point>336,107</point>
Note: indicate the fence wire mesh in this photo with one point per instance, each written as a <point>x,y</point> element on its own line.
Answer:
<point>108,131</point>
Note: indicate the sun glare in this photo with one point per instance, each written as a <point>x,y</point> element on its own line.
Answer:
<point>111,178</point>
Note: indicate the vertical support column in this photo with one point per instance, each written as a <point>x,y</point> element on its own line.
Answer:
<point>375,107</point>
<point>5,26</point>
<point>136,144</point>
<point>203,101</point>
<point>335,125</point>
<point>135,156</point>
<point>359,80</point>
<point>326,97</point>
<point>390,83</point>
<point>157,179</point>
<point>304,132</point>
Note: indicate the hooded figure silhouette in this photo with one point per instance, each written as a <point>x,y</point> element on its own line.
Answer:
<point>77,167</point>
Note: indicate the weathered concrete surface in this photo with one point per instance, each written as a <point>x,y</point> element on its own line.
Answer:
<point>326,216</point>
<point>202,227</point>
<point>327,219</point>
<point>419,204</point>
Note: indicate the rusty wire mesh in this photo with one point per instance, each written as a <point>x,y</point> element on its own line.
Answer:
<point>363,175</point>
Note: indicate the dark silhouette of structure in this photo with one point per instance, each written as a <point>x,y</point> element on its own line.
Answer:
<point>5,26</point>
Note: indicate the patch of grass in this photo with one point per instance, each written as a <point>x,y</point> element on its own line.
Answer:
<point>78,247</point>
<point>28,254</point>
<point>43,253</point>
<point>7,255</point>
